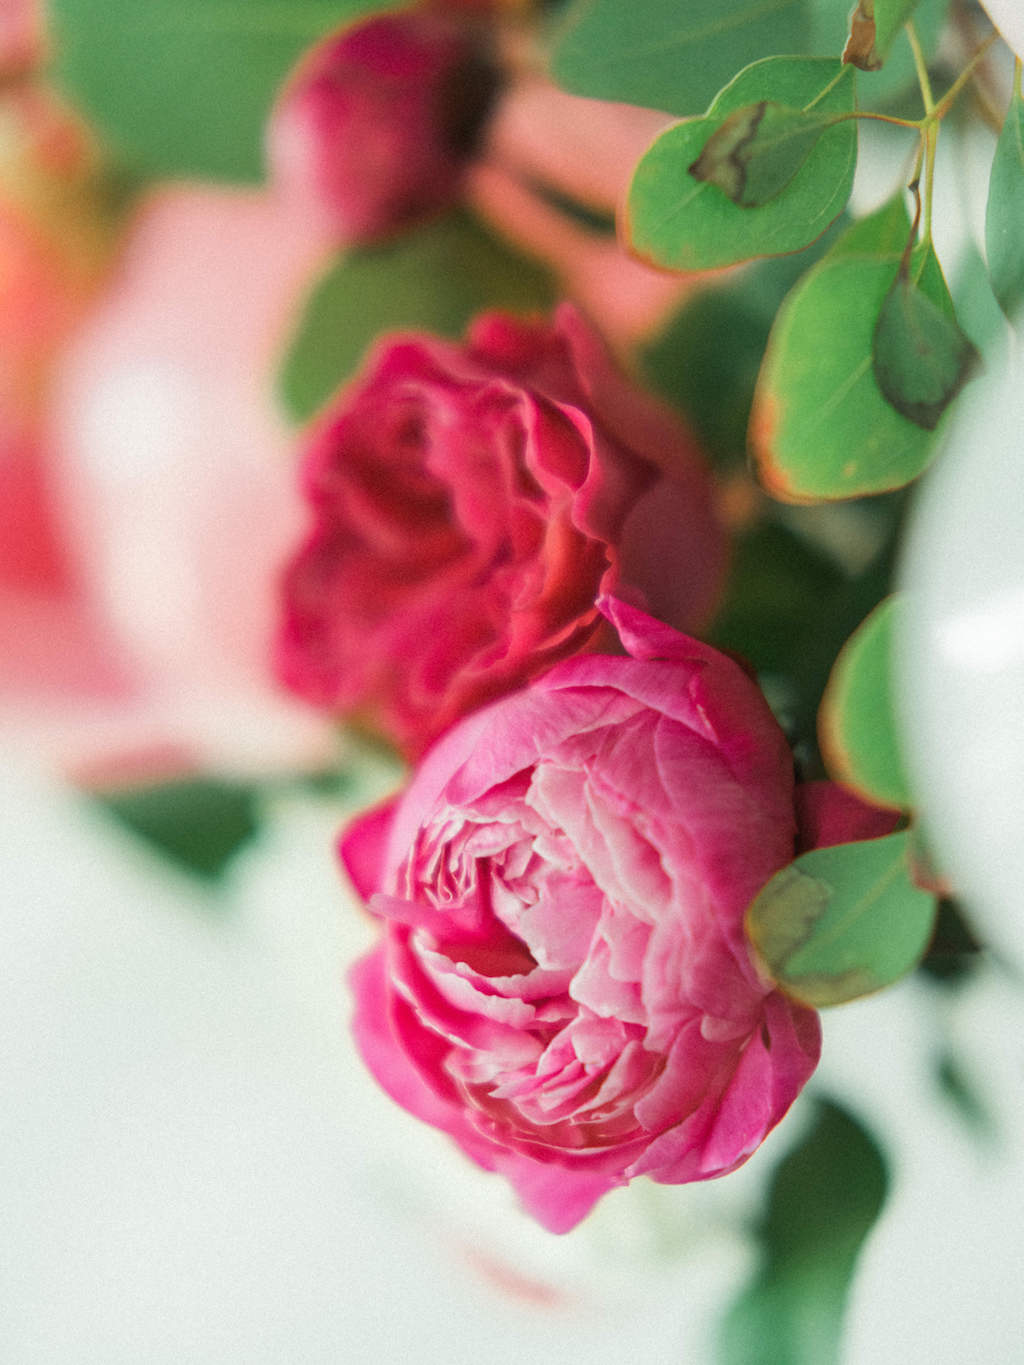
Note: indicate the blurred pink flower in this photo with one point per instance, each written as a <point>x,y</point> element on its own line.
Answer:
<point>563,982</point>
<point>21,35</point>
<point>376,126</point>
<point>469,503</point>
<point>164,477</point>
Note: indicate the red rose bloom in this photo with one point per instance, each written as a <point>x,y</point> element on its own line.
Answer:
<point>469,505</point>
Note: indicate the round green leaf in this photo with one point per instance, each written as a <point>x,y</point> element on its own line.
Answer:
<point>857,721</point>
<point>821,427</point>
<point>674,220</point>
<point>183,87</point>
<point>841,922</point>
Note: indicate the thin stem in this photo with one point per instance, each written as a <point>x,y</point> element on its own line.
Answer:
<point>923,79</point>
<point>931,141</point>
<point>916,124</point>
<point>941,109</point>
<point>827,90</point>
<point>1018,67</point>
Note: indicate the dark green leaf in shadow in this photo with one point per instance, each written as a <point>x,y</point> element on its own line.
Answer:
<point>824,1199</point>
<point>920,355</point>
<point>959,1091</point>
<point>954,952</point>
<point>842,922</point>
<point>777,585</point>
<point>436,279</point>
<point>198,823</point>
<point>857,722</point>
<point>1004,214</point>
<point>673,220</point>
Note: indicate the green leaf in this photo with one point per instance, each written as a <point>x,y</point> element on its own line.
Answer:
<point>821,427</point>
<point>890,16</point>
<point>714,385</point>
<point>954,952</point>
<point>183,87</point>
<point>1004,215</point>
<point>198,823</point>
<point>758,150</point>
<point>882,233</point>
<point>857,721</point>
<point>921,356</point>
<point>668,55</point>
<point>841,922</point>
<point>823,1200</point>
<point>676,221</point>
<point>435,279</point>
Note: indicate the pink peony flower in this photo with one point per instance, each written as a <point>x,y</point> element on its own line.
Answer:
<point>563,983</point>
<point>469,503</point>
<point>376,127</point>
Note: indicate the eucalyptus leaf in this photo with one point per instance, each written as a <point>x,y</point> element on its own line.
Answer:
<point>668,55</point>
<point>921,356</point>
<point>820,427</point>
<point>857,720</point>
<point>436,278</point>
<point>184,87</point>
<point>842,922</point>
<point>824,1198</point>
<point>1004,215</point>
<point>758,150</point>
<point>673,220</point>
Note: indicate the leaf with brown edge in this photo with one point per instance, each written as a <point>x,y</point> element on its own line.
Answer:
<point>842,922</point>
<point>820,426</point>
<point>860,45</point>
<point>758,150</point>
<point>857,719</point>
<point>673,220</point>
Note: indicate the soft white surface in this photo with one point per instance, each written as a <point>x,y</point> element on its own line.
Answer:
<point>961,661</point>
<point>939,1278</point>
<point>196,1168</point>
<point>1008,17</point>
